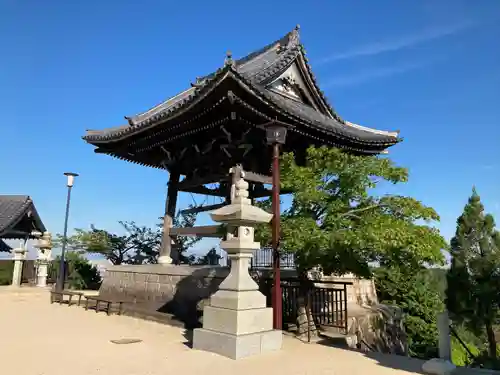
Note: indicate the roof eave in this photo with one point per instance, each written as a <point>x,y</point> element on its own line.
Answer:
<point>28,206</point>
<point>229,71</point>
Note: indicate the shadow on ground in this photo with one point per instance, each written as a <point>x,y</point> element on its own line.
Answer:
<point>188,335</point>
<point>393,361</point>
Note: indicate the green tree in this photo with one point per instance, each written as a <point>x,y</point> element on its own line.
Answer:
<point>183,243</point>
<point>337,222</point>
<point>210,258</point>
<point>474,279</point>
<point>139,244</point>
<point>81,274</point>
<point>420,300</point>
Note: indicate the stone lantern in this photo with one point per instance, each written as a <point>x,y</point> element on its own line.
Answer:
<point>44,247</point>
<point>236,322</point>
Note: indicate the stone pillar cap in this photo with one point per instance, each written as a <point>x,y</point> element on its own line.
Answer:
<point>241,215</point>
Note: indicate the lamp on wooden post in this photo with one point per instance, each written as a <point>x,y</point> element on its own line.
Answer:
<point>60,279</point>
<point>276,136</point>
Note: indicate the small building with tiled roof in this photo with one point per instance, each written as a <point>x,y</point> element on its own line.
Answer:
<point>19,219</point>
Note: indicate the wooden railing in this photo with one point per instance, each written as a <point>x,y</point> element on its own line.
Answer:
<point>328,305</point>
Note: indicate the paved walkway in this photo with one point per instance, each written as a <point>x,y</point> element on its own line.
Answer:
<point>38,338</point>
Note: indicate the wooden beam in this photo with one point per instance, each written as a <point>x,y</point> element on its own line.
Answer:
<point>201,231</point>
<point>196,210</point>
<point>257,177</point>
<point>195,184</point>
<point>262,193</point>
<point>206,191</point>
<point>188,183</point>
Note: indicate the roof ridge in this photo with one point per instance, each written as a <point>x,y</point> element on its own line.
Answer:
<point>291,36</point>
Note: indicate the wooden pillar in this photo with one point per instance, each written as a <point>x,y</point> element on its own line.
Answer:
<point>167,256</point>
<point>277,302</point>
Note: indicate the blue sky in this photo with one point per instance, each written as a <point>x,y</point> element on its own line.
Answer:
<point>429,69</point>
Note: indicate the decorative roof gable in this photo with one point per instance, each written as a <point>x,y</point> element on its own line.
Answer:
<point>18,217</point>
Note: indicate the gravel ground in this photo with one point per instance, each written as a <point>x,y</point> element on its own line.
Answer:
<point>43,339</point>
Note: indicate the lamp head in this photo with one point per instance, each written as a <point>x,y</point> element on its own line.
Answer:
<point>71,178</point>
<point>275,134</point>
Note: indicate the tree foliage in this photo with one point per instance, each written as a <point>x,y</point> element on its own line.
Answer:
<point>420,300</point>
<point>336,222</point>
<point>210,258</point>
<point>474,278</point>
<point>81,273</point>
<point>139,244</point>
<point>183,243</point>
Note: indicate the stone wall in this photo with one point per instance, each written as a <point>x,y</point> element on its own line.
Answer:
<point>178,289</point>
<point>164,288</point>
<point>361,292</point>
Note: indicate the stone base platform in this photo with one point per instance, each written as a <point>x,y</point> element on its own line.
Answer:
<point>237,346</point>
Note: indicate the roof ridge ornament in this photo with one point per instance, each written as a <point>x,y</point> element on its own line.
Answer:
<point>198,82</point>
<point>294,38</point>
<point>228,61</point>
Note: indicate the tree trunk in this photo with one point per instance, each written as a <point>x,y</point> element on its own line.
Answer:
<point>306,328</point>
<point>492,343</point>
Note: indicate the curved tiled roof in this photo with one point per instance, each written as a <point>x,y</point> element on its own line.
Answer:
<point>297,110</point>
<point>13,208</point>
<point>255,71</point>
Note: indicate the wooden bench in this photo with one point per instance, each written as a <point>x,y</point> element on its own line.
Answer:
<point>61,294</point>
<point>108,301</point>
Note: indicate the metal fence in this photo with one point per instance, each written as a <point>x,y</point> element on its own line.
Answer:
<point>262,259</point>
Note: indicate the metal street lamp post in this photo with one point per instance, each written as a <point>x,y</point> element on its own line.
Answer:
<point>276,136</point>
<point>60,280</point>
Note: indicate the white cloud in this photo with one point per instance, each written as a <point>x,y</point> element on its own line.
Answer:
<point>376,73</point>
<point>401,42</point>
<point>488,167</point>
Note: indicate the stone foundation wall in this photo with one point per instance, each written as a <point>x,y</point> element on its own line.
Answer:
<point>165,288</point>
<point>362,291</point>
<point>178,289</point>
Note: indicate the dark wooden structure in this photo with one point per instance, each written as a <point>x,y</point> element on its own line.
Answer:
<point>108,300</point>
<point>220,122</point>
<point>19,219</point>
<point>58,296</point>
<point>327,301</point>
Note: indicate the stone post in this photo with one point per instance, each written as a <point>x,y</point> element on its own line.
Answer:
<point>443,364</point>
<point>236,322</point>
<point>19,258</point>
<point>443,322</point>
<point>44,255</point>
